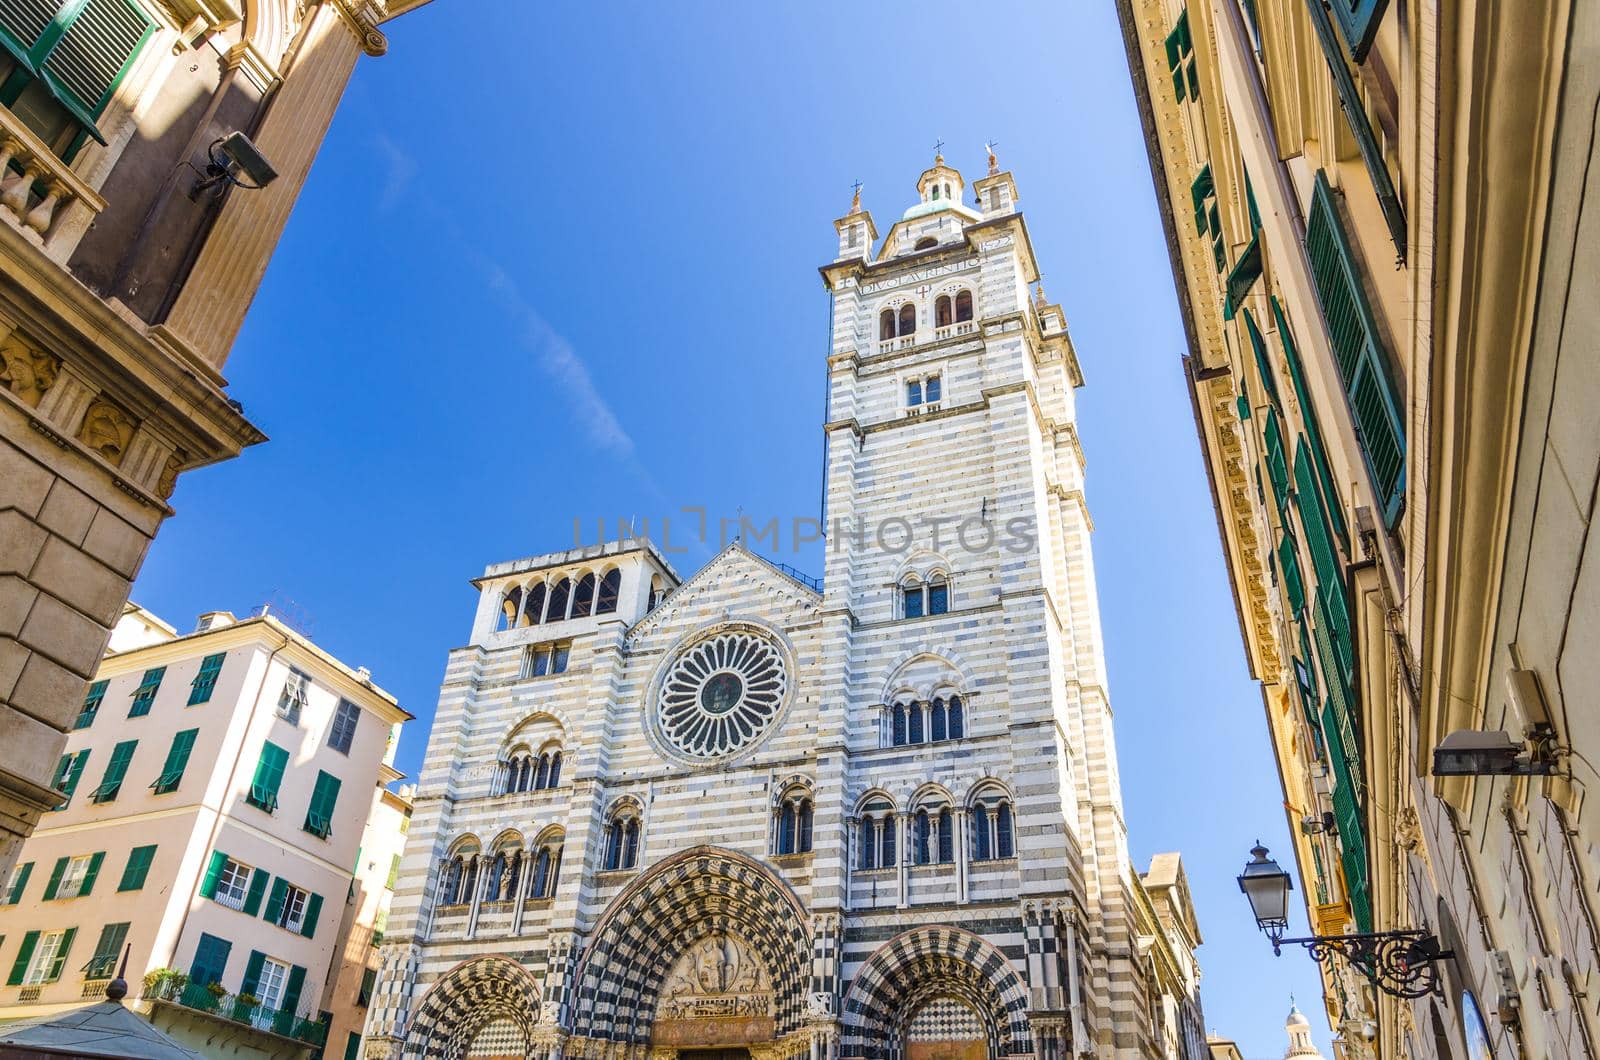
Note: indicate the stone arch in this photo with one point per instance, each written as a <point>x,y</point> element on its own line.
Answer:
<point>471,996</point>
<point>912,673</point>
<point>922,965</point>
<point>699,892</point>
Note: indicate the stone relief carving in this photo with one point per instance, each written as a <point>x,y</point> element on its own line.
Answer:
<point>169,474</point>
<point>719,976</point>
<point>26,370</point>
<point>107,430</point>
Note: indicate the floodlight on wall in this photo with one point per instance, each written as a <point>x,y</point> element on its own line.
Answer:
<point>237,162</point>
<point>1477,753</point>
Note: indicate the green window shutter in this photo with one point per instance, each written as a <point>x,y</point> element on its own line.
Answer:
<point>92,873</point>
<point>61,955</point>
<point>177,761</point>
<point>1277,465</point>
<point>210,960</point>
<point>91,705</point>
<point>93,55</point>
<point>69,770</point>
<point>19,967</point>
<point>268,778</point>
<point>308,927</point>
<point>280,892</point>
<point>291,991</point>
<point>1203,188</point>
<point>145,694</point>
<point>138,867</point>
<point>319,818</point>
<point>258,887</point>
<point>1289,567</point>
<point>1348,819</point>
<point>1178,48</point>
<point>1363,365</point>
<point>206,680</point>
<point>208,885</point>
<point>1258,346</point>
<point>394,872</point>
<point>1308,413</point>
<point>252,972</point>
<point>104,962</point>
<point>116,770</point>
<point>55,878</point>
<point>1243,277</point>
<point>1358,22</point>
<point>352,1046</point>
<point>369,979</point>
<point>19,883</point>
<point>1313,518</point>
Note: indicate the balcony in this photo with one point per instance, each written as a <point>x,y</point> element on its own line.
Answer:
<point>37,189</point>
<point>904,342</point>
<point>240,1009</point>
<point>950,331</point>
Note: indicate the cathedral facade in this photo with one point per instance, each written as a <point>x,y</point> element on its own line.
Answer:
<point>750,815</point>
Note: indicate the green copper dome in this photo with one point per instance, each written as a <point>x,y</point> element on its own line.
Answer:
<point>923,209</point>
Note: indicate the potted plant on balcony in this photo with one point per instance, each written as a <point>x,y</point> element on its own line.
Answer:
<point>244,1007</point>
<point>164,984</point>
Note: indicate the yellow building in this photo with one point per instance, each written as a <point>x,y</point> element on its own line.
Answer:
<point>219,786</point>
<point>150,153</point>
<point>1377,219</point>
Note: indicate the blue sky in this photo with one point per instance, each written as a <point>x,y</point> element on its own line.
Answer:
<point>565,267</point>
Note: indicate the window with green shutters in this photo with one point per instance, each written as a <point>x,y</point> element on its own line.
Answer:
<point>1208,217</point>
<point>1349,822</point>
<point>1258,347</point>
<point>63,60</point>
<point>1363,365</point>
<point>1277,463</point>
<point>1180,60</point>
<point>69,770</point>
<point>1314,518</point>
<point>137,868</point>
<point>74,877</point>
<point>206,680</point>
<point>1358,22</point>
<point>177,760</point>
<point>145,694</point>
<point>1289,568</point>
<point>116,770</point>
<point>91,705</point>
<point>1248,268</point>
<point>42,957</point>
<point>352,1046</point>
<point>18,882</point>
<point>104,962</point>
<point>319,818</point>
<point>1308,415</point>
<point>343,731</point>
<point>369,979</point>
<point>210,960</point>
<point>293,908</point>
<point>269,776</point>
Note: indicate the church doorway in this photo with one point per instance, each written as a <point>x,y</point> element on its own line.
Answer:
<point>713,1054</point>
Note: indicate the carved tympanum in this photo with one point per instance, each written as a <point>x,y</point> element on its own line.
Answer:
<point>26,370</point>
<point>718,976</point>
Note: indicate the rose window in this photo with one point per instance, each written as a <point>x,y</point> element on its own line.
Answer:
<point>721,694</point>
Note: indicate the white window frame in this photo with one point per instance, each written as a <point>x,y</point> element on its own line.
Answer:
<point>234,874</point>
<point>73,875</point>
<point>333,727</point>
<point>274,980</point>
<point>921,381</point>
<point>292,700</point>
<point>293,916</point>
<point>44,955</point>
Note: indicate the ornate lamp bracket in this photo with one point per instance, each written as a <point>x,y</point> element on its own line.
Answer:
<point>1400,963</point>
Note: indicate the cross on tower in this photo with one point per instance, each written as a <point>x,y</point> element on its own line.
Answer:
<point>938,149</point>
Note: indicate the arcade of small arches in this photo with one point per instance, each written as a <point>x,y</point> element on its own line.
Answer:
<point>523,770</point>
<point>624,821</point>
<point>792,821</point>
<point>948,310</point>
<point>908,721</point>
<point>560,597</point>
<point>506,872</point>
<point>932,829</point>
<point>711,950</point>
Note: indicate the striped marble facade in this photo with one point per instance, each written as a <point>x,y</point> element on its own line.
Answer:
<point>1028,949</point>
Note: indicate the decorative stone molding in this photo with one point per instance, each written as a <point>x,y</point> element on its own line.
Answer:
<point>27,370</point>
<point>107,429</point>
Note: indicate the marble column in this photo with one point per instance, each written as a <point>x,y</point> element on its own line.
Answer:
<point>902,845</point>
<point>479,880</point>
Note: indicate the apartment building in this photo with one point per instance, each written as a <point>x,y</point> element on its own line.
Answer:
<point>219,794</point>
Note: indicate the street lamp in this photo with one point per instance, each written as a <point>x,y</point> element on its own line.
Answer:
<point>1400,963</point>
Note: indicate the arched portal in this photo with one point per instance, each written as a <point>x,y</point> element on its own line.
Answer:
<point>706,911</point>
<point>898,997</point>
<point>485,1007</point>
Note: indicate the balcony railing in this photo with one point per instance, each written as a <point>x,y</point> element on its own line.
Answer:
<point>947,331</point>
<point>36,187</point>
<point>237,1009</point>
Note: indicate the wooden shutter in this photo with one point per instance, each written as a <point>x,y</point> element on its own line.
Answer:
<point>252,972</point>
<point>1363,364</point>
<point>116,771</point>
<point>291,991</point>
<point>1308,415</point>
<point>1258,346</point>
<point>206,680</point>
<point>280,893</point>
<point>319,819</point>
<point>1289,571</point>
<point>19,967</point>
<point>104,962</point>
<point>60,960</point>
<point>1203,188</point>
<point>1358,22</point>
<point>95,52</point>
<point>258,887</point>
<point>308,926</point>
<point>208,885</point>
<point>1277,465</point>
<point>1243,276</point>
<point>210,960</point>
<point>138,867</point>
<point>55,878</point>
<point>92,873</point>
<point>19,883</point>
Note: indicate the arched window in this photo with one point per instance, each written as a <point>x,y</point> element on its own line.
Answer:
<point>963,306</point>
<point>622,840</point>
<point>926,243</point>
<point>898,734</point>
<point>510,604</point>
<point>886,325</point>
<point>908,319</point>
<point>921,832</point>
<point>546,868</point>
<point>605,602</point>
<point>916,734</point>
<point>786,829</point>
<point>956,721</point>
<point>937,721</point>
<point>911,600</point>
<point>941,311</point>
<point>541,777</point>
<point>875,835</point>
<point>947,834</point>
<point>792,824</point>
<point>938,595</point>
<point>658,592</point>
<point>993,828</point>
<point>533,610</point>
<point>557,608</point>
<point>583,597</point>
<point>451,891</point>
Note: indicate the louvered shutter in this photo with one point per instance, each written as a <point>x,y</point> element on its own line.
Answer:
<point>99,45</point>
